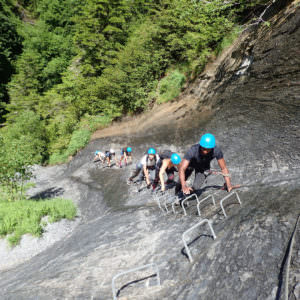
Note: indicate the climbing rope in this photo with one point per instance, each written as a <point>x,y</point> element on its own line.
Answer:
<point>215,172</point>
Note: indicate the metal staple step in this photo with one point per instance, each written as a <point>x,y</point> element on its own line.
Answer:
<point>228,196</point>
<point>192,228</point>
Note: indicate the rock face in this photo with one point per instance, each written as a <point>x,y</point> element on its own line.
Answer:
<point>255,95</point>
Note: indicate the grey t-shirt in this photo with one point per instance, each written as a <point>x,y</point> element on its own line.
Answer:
<point>145,161</point>
<point>199,161</point>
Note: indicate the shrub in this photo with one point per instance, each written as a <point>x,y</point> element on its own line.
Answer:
<point>57,158</point>
<point>170,86</point>
<point>94,122</point>
<point>78,140</point>
<point>22,144</point>
<point>228,39</point>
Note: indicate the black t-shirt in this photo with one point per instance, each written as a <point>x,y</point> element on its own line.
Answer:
<point>124,150</point>
<point>201,162</point>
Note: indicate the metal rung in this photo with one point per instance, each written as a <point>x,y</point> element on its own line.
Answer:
<point>176,201</point>
<point>153,265</point>
<point>159,205</point>
<point>166,200</point>
<point>202,200</point>
<point>192,228</point>
<point>165,205</point>
<point>188,198</point>
<point>228,196</point>
<point>157,198</point>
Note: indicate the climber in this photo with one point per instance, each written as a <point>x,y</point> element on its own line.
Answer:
<point>168,162</point>
<point>147,165</point>
<point>109,156</point>
<point>99,156</point>
<point>198,159</point>
<point>126,153</point>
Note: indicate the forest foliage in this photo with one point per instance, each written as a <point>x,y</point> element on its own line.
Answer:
<point>72,66</point>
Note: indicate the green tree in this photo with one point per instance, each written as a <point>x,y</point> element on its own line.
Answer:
<point>105,58</point>
<point>102,30</point>
<point>22,144</point>
<point>47,52</point>
<point>10,48</point>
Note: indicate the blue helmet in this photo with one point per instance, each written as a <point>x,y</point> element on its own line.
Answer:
<point>175,159</point>
<point>207,141</point>
<point>97,152</point>
<point>152,151</point>
<point>128,149</point>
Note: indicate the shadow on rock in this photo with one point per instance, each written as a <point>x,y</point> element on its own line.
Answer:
<point>183,252</point>
<point>133,282</point>
<point>48,193</point>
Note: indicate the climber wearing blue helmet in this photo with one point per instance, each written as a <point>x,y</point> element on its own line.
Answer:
<point>168,163</point>
<point>151,151</point>
<point>99,156</point>
<point>148,166</point>
<point>198,158</point>
<point>126,154</point>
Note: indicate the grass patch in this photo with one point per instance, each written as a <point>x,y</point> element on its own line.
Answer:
<point>95,122</point>
<point>170,86</point>
<point>228,39</point>
<point>24,216</point>
<point>8,195</point>
<point>80,137</point>
<point>58,158</point>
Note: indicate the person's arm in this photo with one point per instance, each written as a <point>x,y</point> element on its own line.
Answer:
<point>161,173</point>
<point>125,157</point>
<point>146,174</point>
<point>183,166</point>
<point>222,165</point>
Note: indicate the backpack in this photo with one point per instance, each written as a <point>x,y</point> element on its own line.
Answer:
<point>165,154</point>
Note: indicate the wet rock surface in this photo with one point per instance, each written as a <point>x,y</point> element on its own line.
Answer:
<point>257,124</point>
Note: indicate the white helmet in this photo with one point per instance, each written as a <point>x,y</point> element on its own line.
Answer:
<point>112,151</point>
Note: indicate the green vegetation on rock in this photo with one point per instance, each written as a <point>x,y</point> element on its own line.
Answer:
<point>66,60</point>
<point>25,216</point>
<point>170,86</point>
<point>22,144</point>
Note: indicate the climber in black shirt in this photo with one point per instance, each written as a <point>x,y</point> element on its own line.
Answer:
<point>198,158</point>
